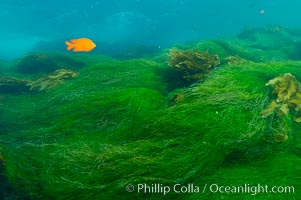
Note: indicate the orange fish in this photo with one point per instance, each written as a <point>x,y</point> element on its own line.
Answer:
<point>81,44</point>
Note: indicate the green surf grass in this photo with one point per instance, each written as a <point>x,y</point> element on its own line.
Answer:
<point>114,125</point>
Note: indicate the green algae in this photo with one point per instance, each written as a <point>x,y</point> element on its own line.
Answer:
<point>115,125</point>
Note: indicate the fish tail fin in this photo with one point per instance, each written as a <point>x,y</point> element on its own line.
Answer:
<point>69,45</point>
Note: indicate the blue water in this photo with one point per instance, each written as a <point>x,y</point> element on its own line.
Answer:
<point>115,23</point>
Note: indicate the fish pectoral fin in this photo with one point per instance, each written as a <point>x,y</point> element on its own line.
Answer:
<point>69,45</point>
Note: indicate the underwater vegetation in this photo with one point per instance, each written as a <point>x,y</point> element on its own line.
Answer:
<point>192,64</point>
<point>13,85</point>
<point>287,91</point>
<point>35,63</point>
<point>118,123</point>
<point>52,80</point>
<point>235,60</point>
<point>1,159</point>
<point>46,63</point>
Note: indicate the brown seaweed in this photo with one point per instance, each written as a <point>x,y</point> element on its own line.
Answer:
<point>192,64</point>
<point>52,80</point>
